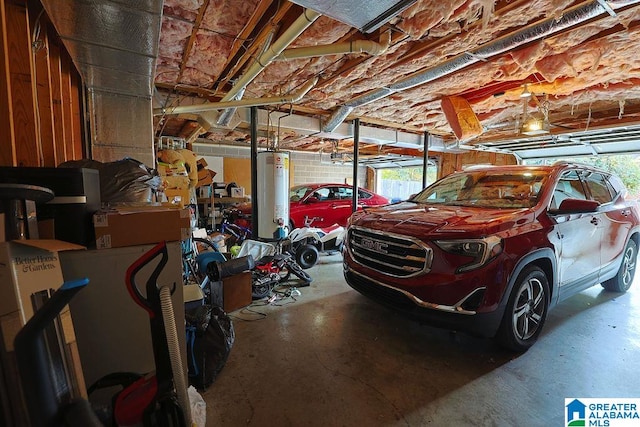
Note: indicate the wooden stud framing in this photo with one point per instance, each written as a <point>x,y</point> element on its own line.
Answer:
<point>7,151</point>
<point>40,109</point>
<point>18,57</point>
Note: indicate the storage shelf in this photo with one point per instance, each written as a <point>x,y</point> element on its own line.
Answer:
<point>223,200</point>
<point>207,205</point>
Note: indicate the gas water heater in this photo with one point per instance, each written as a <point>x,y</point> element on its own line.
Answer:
<point>273,194</point>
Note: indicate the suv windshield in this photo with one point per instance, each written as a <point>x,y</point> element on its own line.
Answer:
<point>486,188</point>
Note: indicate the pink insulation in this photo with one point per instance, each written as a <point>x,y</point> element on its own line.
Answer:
<point>579,68</point>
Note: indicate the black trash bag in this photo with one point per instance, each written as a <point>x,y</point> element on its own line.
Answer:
<point>121,181</point>
<point>208,344</point>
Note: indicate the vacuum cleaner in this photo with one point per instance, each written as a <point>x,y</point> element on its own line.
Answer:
<point>160,399</point>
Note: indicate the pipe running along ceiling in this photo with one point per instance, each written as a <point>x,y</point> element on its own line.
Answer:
<point>314,74</point>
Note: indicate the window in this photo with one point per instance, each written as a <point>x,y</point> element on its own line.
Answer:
<point>345,192</point>
<point>599,187</point>
<point>322,193</point>
<point>297,193</point>
<point>569,187</point>
<point>617,185</point>
<point>363,195</point>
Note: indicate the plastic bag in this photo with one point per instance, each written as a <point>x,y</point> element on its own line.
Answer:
<point>198,408</point>
<point>208,344</point>
<point>126,180</point>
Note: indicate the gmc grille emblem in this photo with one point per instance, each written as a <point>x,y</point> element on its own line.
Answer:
<point>374,245</point>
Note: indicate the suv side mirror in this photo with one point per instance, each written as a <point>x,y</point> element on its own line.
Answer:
<point>569,206</point>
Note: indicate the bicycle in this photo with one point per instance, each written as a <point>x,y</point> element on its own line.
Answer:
<point>229,227</point>
<point>271,270</point>
<point>194,260</point>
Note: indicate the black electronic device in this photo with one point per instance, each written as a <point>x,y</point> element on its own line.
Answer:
<point>76,198</point>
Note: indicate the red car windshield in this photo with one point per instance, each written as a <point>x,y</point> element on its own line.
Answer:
<point>486,188</point>
<point>297,193</point>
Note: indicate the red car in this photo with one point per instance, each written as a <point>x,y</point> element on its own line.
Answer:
<point>327,204</point>
<point>490,250</point>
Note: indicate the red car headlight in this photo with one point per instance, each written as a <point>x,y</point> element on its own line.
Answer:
<point>480,251</point>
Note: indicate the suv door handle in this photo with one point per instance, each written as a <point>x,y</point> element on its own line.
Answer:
<point>594,221</point>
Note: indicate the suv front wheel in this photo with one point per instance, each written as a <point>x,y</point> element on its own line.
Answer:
<point>526,310</point>
<point>623,279</point>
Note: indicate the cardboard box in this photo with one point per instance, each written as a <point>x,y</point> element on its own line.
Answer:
<point>205,177</point>
<point>201,163</point>
<point>47,229</point>
<point>28,268</point>
<point>139,226</point>
<point>204,174</point>
<point>180,197</point>
<point>233,292</point>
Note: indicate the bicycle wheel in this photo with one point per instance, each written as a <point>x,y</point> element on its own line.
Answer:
<point>284,273</point>
<point>204,245</point>
<point>293,267</point>
<point>260,291</point>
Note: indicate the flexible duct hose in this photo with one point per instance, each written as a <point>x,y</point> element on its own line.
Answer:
<point>219,270</point>
<point>174,353</point>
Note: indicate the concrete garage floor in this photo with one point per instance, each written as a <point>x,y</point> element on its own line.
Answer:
<point>334,358</point>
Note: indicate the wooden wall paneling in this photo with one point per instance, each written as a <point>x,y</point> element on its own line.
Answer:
<point>370,180</point>
<point>238,171</point>
<point>44,100</point>
<point>65,87</point>
<point>447,164</point>
<point>76,117</point>
<point>56,102</point>
<point>21,85</point>
<point>7,148</point>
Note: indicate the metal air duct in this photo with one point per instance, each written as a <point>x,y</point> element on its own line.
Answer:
<point>114,45</point>
<point>367,17</point>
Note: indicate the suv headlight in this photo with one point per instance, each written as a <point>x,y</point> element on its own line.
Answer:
<point>480,250</point>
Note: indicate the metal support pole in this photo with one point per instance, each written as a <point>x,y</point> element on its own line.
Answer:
<point>356,143</point>
<point>425,159</point>
<point>254,172</point>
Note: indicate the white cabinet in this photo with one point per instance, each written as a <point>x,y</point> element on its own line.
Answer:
<point>112,331</point>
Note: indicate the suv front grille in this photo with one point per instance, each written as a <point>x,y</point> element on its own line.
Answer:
<point>388,253</point>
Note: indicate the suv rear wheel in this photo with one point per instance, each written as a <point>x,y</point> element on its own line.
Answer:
<point>526,310</point>
<point>623,279</point>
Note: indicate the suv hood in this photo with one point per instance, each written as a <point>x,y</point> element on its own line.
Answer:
<point>423,219</point>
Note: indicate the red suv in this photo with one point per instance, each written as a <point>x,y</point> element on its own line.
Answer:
<point>490,250</point>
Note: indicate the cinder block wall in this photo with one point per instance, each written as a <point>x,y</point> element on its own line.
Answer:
<point>310,168</point>
<point>307,167</point>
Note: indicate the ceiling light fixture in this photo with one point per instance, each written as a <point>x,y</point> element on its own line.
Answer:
<point>534,126</point>
<point>525,92</point>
